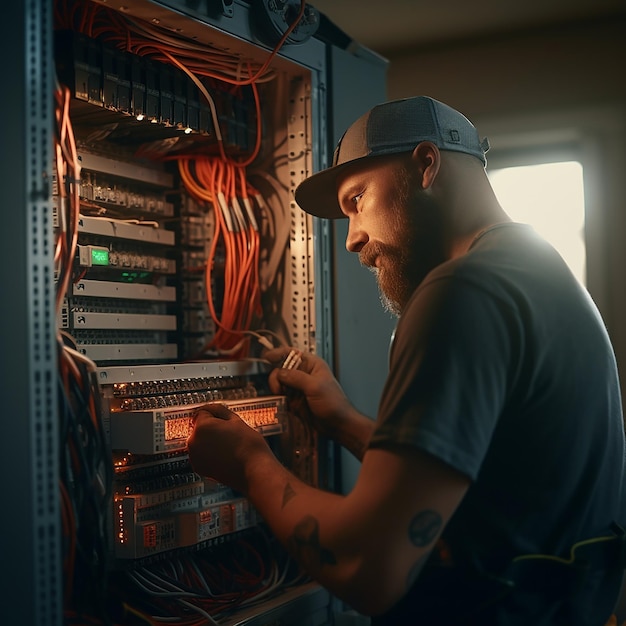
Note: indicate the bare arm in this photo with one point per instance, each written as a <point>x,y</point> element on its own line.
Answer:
<point>366,547</point>
<point>353,432</point>
<point>316,396</point>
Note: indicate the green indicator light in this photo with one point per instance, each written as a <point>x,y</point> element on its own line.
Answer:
<point>129,277</point>
<point>132,277</point>
<point>99,256</point>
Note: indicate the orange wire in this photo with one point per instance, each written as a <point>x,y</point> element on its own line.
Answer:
<point>244,262</point>
<point>229,265</point>
<point>274,52</point>
<point>67,171</point>
<point>250,267</point>
<point>257,146</point>
<point>206,176</point>
<point>239,247</point>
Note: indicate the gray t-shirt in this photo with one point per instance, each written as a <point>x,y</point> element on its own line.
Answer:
<point>502,368</point>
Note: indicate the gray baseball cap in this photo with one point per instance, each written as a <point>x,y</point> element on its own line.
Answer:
<point>390,128</point>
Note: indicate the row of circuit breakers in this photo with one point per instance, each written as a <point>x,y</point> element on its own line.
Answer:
<point>115,80</point>
<point>137,305</point>
<point>160,504</point>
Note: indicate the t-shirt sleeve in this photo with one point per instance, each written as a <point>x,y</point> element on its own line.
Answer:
<point>449,370</point>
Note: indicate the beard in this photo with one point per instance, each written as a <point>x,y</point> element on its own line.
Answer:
<point>413,247</point>
<point>388,304</point>
<point>397,275</point>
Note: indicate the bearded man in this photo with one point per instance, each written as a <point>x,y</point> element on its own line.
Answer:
<point>491,489</point>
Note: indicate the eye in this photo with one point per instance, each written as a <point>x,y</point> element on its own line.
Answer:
<point>355,199</point>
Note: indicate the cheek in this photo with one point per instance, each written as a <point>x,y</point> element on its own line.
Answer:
<point>398,232</point>
<point>390,226</point>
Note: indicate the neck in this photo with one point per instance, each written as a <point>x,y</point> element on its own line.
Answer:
<point>467,200</point>
<point>463,243</point>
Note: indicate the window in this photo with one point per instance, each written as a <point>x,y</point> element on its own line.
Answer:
<point>549,197</point>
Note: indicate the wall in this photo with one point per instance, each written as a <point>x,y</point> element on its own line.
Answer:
<point>563,82</point>
<point>519,72</point>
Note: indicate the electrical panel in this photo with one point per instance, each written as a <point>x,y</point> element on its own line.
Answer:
<point>180,255</point>
<point>174,253</point>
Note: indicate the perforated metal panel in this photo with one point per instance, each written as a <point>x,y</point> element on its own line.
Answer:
<point>31,528</point>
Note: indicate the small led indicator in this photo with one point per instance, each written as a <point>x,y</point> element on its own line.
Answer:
<point>132,277</point>
<point>99,256</point>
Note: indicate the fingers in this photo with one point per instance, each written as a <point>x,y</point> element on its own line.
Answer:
<point>276,356</point>
<point>205,413</point>
<point>214,410</point>
<point>293,360</point>
<point>288,361</point>
<point>280,379</point>
<point>290,358</point>
<point>295,378</point>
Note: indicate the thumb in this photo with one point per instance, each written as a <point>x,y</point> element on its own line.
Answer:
<point>282,379</point>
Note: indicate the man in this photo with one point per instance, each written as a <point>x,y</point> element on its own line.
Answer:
<point>491,487</point>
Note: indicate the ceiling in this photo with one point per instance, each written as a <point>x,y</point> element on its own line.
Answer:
<point>384,25</point>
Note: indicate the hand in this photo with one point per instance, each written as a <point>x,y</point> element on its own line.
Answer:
<point>222,446</point>
<point>321,400</point>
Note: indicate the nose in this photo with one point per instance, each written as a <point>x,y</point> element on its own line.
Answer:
<point>356,237</point>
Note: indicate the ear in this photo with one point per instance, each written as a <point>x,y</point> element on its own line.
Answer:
<point>426,159</point>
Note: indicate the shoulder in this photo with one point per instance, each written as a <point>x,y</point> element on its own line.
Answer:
<point>506,267</point>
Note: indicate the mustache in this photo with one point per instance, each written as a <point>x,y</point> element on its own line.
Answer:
<point>369,253</point>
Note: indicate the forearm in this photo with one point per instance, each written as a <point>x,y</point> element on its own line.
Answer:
<point>366,547</point>
<point>308,522</point>
<point>353,431</point>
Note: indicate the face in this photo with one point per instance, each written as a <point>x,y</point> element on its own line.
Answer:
<point>394,226</point>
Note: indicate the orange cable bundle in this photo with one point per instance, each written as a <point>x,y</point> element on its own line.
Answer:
<point>68,183</point>
<point>222,184</point>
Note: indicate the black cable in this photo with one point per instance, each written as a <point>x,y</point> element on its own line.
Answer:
<point>86,472</point>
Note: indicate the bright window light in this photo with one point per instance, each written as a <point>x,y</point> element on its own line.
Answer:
<point>549,197</point>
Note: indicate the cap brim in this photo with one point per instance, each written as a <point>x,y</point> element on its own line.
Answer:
<point>317,195</point>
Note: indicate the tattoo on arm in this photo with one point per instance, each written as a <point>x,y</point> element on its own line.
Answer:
<point>305,545</point>
<point>424,528</point>
<point>288,494</point>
